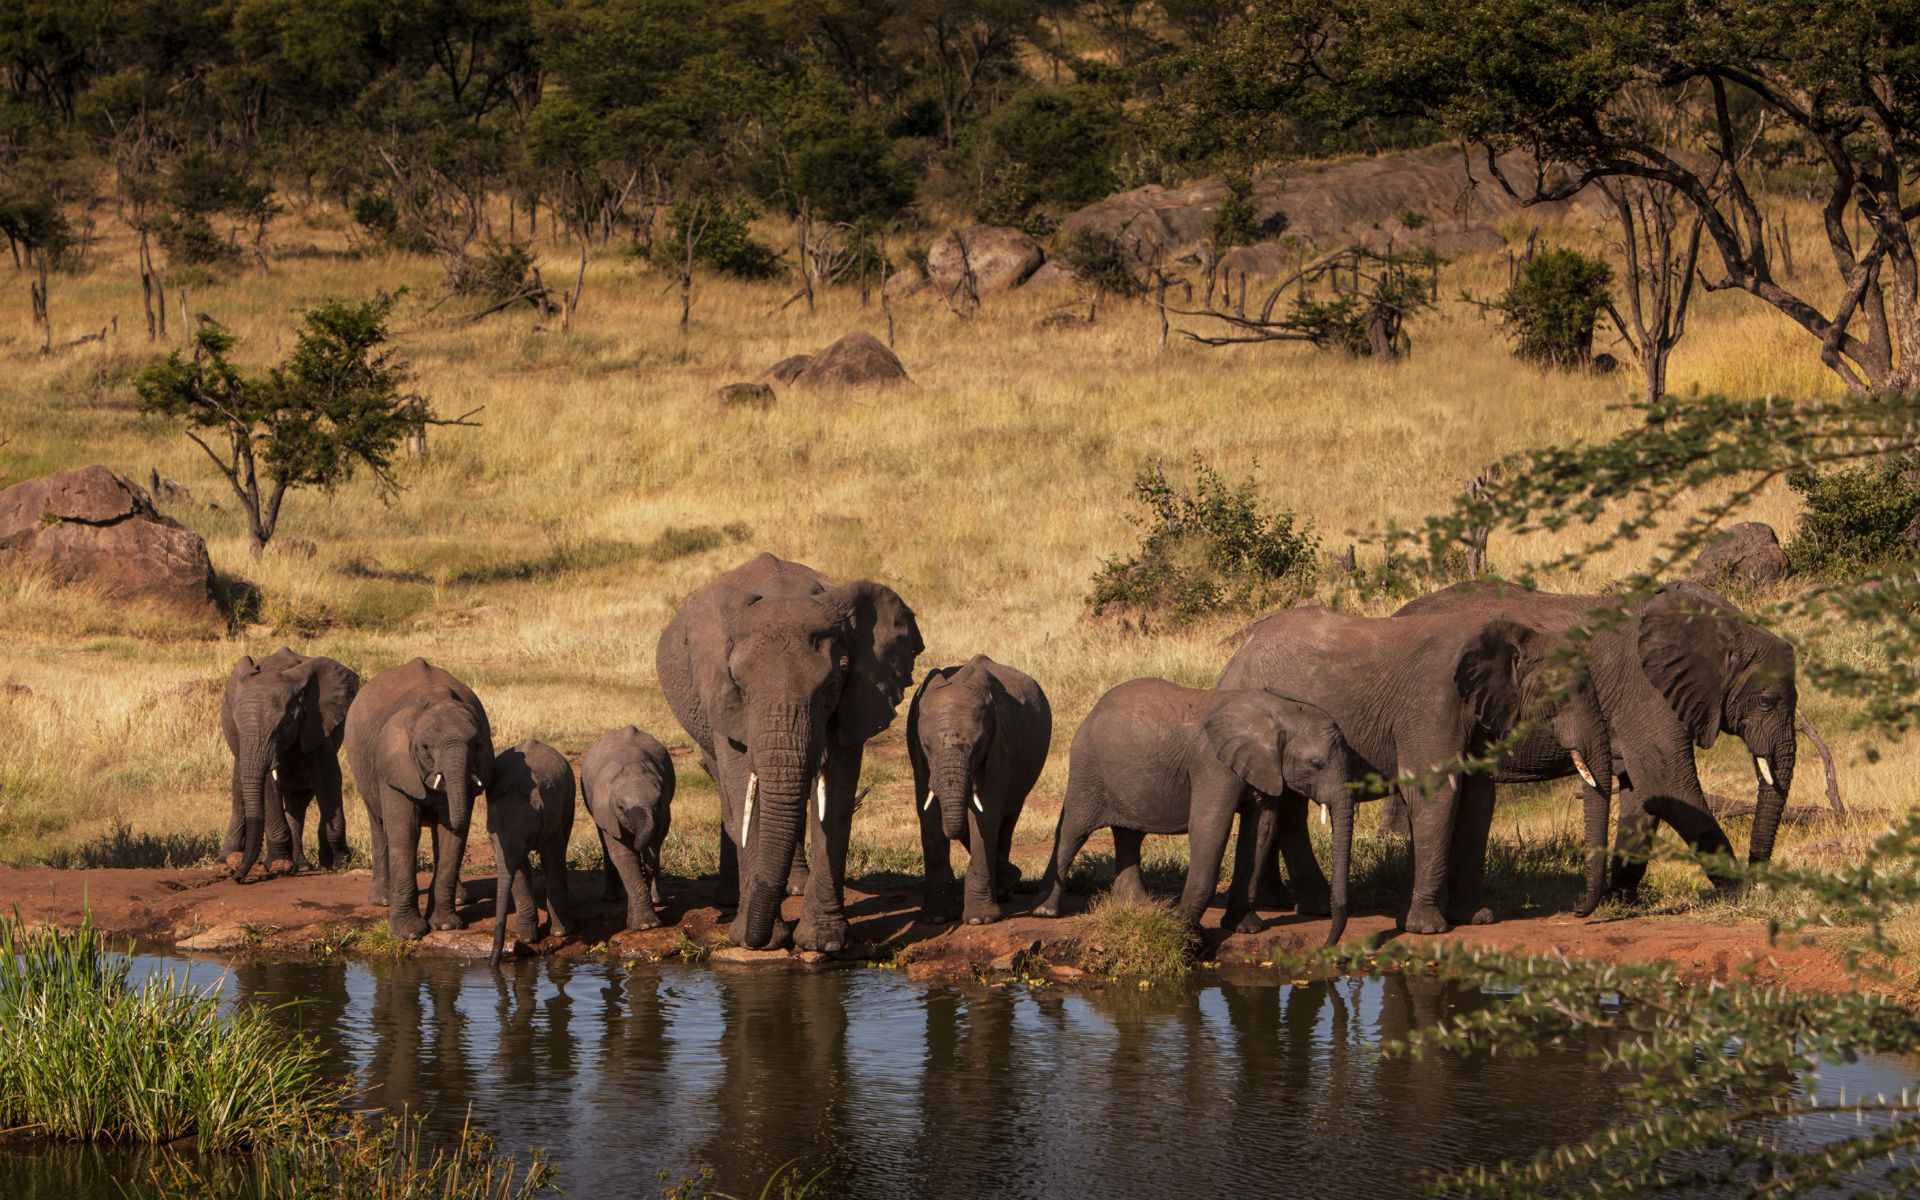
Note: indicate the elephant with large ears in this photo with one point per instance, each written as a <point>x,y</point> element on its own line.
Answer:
<point>1412,695</point>
<point>529,808</point>
<point>780,675</point>
<point>1671,672</point>
<point>420,750</point>
<point>627,781</point>
<point>1155,757</point>
<point>977,737</point>
<point>283,717</point>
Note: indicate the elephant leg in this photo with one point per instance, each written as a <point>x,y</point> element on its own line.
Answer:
<point>1467,854</point>
<point>553,864</point>
<point>1006,874</point>
<point>330,841</point>
<point>823,921</point>
<point>1127,882</point>
<point>1394,821</point>
<point>634,881</point>
<point>1694,822</point>
<point>1209,821</point>
<point>1632,841</point>
<point>1239,916</point>
<point>800,872</point>
<point>526,914</point>
<point>610,880</point>
<point>983,854</point>
<point>402,888</point>
<point>1312,894</point>
<point>1079,817</point>
<point>650,859</point>
<point>726,892</point>
<point>277,841</point>
<point>1432,838</point>
<point>936,856</point>
<point>448,849</point>
<point>296,804</point>
<point>236,840</point>
<point>1269,888</point>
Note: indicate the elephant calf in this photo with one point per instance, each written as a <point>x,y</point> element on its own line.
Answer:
<point>1154,757</point>
<point>530,807</point>
<point>977,735</point>
<point>627,781</point>
<point>283,717</point>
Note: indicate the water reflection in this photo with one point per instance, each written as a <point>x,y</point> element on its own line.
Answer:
<point>898,1090</point>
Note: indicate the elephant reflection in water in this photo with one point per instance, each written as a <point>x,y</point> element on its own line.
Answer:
<point>420,1040</point>
<point>530,1051</point>
<point>322,1012</point>
<point>784,1080</point>
<point>970,1070</point>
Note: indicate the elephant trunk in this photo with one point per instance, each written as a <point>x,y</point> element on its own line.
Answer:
<point>456,781</point>
<point>1340,812</point>
<point>953,783</point>
<point>781,785</point>
<point>251,766</point>
<point>1596,804</point>
<point>502,899</point>
<point>1770,796</point>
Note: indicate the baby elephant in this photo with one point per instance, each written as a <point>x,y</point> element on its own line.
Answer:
<point>529,807</point>
<point>1154,757</point>
<point>977,735</point>
<point>627,780</point>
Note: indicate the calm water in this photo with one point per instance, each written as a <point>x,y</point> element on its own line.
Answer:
<point>901,1090</point>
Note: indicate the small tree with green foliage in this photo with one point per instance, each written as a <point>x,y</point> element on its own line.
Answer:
<point>1856,519</point>
<point>333,406</point>
<point>1552,308</point>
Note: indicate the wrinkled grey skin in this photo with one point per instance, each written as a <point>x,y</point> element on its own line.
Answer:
<point>1410,694</point>
<point>1674,672</point>
<point>780,675</point>
<point>420,750</point>
<point>283,717</point>
<point>529,808</point>
<point>977,736</point>
<point>627,781</point>
<point>1155,757</point>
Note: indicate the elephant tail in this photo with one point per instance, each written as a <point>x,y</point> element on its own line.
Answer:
<point>502,900</point>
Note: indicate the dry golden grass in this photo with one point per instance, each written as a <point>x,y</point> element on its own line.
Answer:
<point>533,556</point>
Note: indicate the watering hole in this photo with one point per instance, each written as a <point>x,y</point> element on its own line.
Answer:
<point>629,1077</point>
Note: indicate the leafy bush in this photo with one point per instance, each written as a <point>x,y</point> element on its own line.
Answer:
<point>1552,308</point>
<point>500,270</point>
<point>1207,550</point>
<point>191,240</point>
<point>723,239</point>
<point>1856,519</point>
<point>1062,143</point>
<point>376,214</point>
<point>1101,262</point>
<point>34,221</point>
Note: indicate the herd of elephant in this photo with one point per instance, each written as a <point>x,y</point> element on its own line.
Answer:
<point>781,676</point>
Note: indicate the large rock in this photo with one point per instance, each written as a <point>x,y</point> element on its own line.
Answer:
<point>1000,257</point>
<point>91,525</point>
<point>1320,205</point>
<point>1747,553</point>
<point>858,359</point>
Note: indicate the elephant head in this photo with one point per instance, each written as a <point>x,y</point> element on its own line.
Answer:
<point>284,702</point>
<point>1724,674</point>
<point>1512,673</point>
<point>781,677</point>
<point>1278,744</point>
<point>440,746</point>
<point>954,713</point>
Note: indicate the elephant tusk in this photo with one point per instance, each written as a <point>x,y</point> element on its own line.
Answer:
<point>976,803</point>
<point>1580,765</point>
<point>436,781</point>
<point>928,802</point>
<point>1766,772</point>
<point>478,787</point>
<point>746,822</point>
<point>274,774</point>
<point>1324,819</point>
<point>820,794</point>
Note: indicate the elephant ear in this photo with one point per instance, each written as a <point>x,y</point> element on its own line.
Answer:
<point>331,687</point>
<point>882,641</point>
<point>710,640</point>
<point>1251,741</point>
<point>1688,652</point>
<point>1493,671</point>
<point>393,760</point>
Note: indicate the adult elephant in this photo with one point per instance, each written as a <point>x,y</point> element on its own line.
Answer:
<point>420,750</point>
<point>283,717</point>
<point>780,675</point>
<point>1410,695</point>
<point>1671,672</point>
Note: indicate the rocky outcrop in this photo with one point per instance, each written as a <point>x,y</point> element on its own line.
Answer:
<point>999,256</point>
<point>1748,553</point>
<point>1336,203</point>
<point>91,525</point>
<point>856,360</point>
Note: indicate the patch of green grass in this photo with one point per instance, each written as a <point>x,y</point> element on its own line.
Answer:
<point>1124,940</point>
<point>121,848</point>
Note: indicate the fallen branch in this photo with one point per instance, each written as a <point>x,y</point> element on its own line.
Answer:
<point>1805,726</point>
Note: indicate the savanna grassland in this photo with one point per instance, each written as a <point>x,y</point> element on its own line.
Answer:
<point>538,555</point>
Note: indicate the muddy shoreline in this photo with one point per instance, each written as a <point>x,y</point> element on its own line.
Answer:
<point>202,911</point>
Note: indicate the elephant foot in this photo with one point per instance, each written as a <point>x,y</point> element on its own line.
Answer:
<point>1050,907</point>
<point>528,931</point>
<point>1314,904</point>
<point>408,927</point>
<point>642,918</point>
<point>778,938</point>
<point>448,919</point>
<point>797,883</point>
<point>1010,882</point>
<point>827,935</point>
<point>1475,916</point>
<point>233,863</point>
<point>936,916</point>
<point>1246,922</point>
<point>1424,918</point>
<point>284,866</point>
<point>983,916</point>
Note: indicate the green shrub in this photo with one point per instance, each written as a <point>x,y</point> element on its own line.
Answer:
<point>1552,308</point>
<point>723,239</point>
<point>376,214</point>
<point>191,240</point>
<point>1856,520</point>
<point>1207,550</point>
<point>1062,142</point>
<point>1100,261</point>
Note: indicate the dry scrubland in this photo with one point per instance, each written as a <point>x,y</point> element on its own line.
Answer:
<point>539,556</point>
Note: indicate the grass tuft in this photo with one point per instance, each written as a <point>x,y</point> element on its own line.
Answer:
<point>1126,940</point>
<point>121,848</point>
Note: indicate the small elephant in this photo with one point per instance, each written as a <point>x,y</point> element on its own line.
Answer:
<point>627,781</point>
<point>420,749</point>
<point>1155,757</point>
<point>977,735</point>
<point>529,807</point>
<point>283,717</point>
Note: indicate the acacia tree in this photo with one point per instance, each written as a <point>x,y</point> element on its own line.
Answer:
<point>333,406</point>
